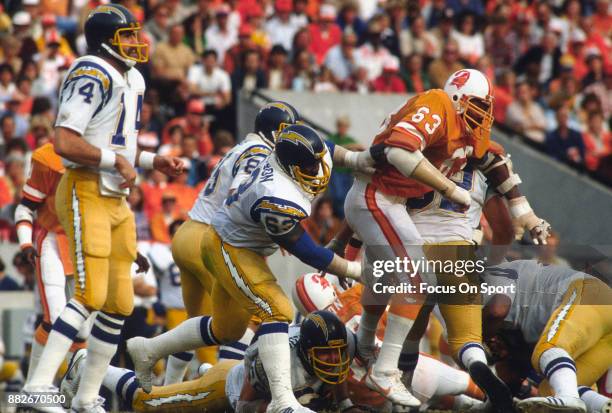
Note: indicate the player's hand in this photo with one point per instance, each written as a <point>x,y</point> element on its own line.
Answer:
<point>169,165</point>
<point>30,254</point>
<point>336,246</point>
<point>126,170</point>
<point>460,197</point>
<point>142,262</point>
<point>523,218</point>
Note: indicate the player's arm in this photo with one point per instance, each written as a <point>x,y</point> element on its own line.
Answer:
<point>24,220</point>
<point>497,167</point>
<point>247,163</point>
<point>299,243</point>
<point>359,161</point>
<point>249,401</point>
<point>169,165</point>
<point>494,313</point>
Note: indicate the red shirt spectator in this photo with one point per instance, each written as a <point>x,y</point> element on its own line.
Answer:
<point>192,124</point>
<point>597,141</point>
<point>389,81</point>
<point>325,33</point>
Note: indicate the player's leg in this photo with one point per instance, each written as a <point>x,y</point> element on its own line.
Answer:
<point>176,364</point>
<point>106,331</point>
<point>578,324</point>
<point>84,216</point>
<point>595,402</point>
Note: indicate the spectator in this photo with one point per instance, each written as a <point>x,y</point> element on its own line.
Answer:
<point>597,141</point>
<point>250,75</point>
<point>440,69</point>
<point>281,28</point>
<point>153,188</point>
<point>325,33</point>
<point>256,18</point>
<point>300,12</point>
<point>41,132</point>
<point>24,95</point>
<point>51,34</point>
<point>161,221</point>
<point>372,54</point>
<point>7,283</point>
<point>182,189</point>
<point>595,71</point>
<point>149,121</point>
<point>500,42</point>
<point>157,27</point>
<point>602,18</point>
<point>341,178</point>
<point>324,81</point>
<point>349,20</point>
<point>302,74</point>
<point>7,84</point>
<point>322,225</point>
<point>389,81</point>
<point>196,25</point>
<point>235,54</point>
<point>7,128</point>
<point>173,147</point>
<point>359,81</point>
<point>525,115</point>
<point>564,143</point>
<point>469,40</point>
<point>418,41</point>
<point>443,31</point>
<point>172,59</point>
<point>213,84</point>
<point>415,77</point>
<point>10,50</point>
<point>541,63</point>
<point>469,6</point>
<point>136,201</point>
<point>340,59</point>
<point>278,73</point>
<point>220,36</point>
<point>503,92</point>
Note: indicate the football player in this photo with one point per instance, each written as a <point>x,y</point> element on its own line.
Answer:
<point>419,146</point>
<point>236,165</point>
<point>96,129</point>
<point>261,215</point>
<point>321,350</point>
<point>566,314</point>
<point>433,382</point>
<point>51,256</point>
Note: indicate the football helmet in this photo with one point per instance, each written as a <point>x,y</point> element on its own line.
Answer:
<point>301,153</point>
<point>312,292</point>
<point>103,30</point>
<point>323,347</point>
<point>471,94</point>
<point>274,117</point>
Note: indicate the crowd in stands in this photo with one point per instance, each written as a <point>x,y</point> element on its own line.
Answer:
<point>549,62</point>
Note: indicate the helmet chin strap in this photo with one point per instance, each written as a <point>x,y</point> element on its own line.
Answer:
<point>128,62</point>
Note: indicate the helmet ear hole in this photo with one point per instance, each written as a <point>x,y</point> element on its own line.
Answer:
<point>455,97</point>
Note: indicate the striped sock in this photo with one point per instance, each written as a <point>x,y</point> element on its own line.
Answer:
<point>189,335</point>
<point>103,342</point>
<point>560,370</point>
<point>122,382</point>
<point>470,353</point>
<point>176,367</point>
<point>235,350</point>
<point>63,333</point>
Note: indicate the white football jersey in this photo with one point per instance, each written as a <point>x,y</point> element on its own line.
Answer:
<point>103,106</point>
<point>302,381</point>
<point>168,274</point>
<point>229,173</point>
<point>267,203</point>
<point>537,291</point>
<point>438,220</point>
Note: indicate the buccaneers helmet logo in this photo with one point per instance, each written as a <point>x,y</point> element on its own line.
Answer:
<point>461,78</point>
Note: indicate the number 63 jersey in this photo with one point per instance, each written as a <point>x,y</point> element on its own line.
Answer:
<point>103,106</point>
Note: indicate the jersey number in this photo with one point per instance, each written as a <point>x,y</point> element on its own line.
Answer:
<point>118,138</point>
<point>276,226</point>
<point>445,204</point>
<point>175,276</point>
<point>420,115</point>
<point>87,91</point>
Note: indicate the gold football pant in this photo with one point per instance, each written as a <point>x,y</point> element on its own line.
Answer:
<point>244,287</point>
<point>102,236</point>
<point>582,326</point>
<point>196,280</point>
<point>205,394</point>
<point>462,312</point>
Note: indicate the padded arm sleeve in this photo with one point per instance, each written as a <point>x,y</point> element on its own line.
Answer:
<point>299,243</point>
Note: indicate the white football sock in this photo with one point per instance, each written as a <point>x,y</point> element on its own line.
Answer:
<point>275,356</point>
<point>594,401</point>
<point>121,382</point>
<point>102,346</point>
<point>470,353</point>
<point>189,335</point>
<point>35,354</point>
<point>235,350</point>
<point>366,333</point>
<point>176,367</point>
<point>560,370</point>
<point>395,333</point>
<point>63,332</point>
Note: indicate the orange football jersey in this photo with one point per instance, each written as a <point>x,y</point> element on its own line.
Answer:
<point>427,122</point>
<point>47,170</point>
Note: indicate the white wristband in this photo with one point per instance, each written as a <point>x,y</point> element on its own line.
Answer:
<point>520,208</point>
<point>107,159</point>
<point>345,404</point>
<point>24,234</point>
<point>353,270</point>
<point>145,160</point>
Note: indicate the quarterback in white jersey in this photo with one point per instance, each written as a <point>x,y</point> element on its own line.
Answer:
<point>96,129</point>
<point>567,315</point>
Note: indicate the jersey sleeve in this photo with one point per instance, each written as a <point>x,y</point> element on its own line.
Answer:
<point>421,123</point>
<point>247,162</point>
<point>85,91</point>
<point>278,216</point>
<point>37,187</point>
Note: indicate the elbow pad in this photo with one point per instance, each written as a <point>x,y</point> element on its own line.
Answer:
<point>405,161</point>
<point>24,217</point>
<point>310,253</point>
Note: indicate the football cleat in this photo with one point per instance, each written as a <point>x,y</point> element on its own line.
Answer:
<point>496,390</point>
<point>607,407</point>
<point>36,407</point>
<point>552,405</point>
<point>143,362</point>
<point>72,378</point>
<point>274,407</point>
<point>97,406</point>
<point>389,384</point>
